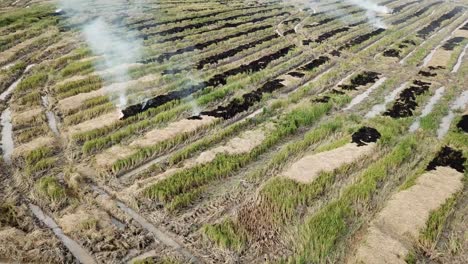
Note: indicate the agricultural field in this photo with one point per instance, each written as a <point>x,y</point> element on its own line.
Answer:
<point>242,131</point>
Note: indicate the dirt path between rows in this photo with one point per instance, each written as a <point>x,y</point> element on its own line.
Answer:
<point>159,234</point>
<point>77,251</point>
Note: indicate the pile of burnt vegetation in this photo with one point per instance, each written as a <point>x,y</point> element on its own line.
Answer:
<point>133,25</point>
<point>361,79</point>
<point>448,157</point>
<point>200,46</point>
<point>180,29</point>
<point>335,53</point>
<point>237,106</point>
<point>216,80</point>
<point>365,135</point>
<point>254,66</point>
<point>392,53</point>
<point>452,43</point>
<point>289,32</point>
<point>463,124</point>
<point>306,42</point>
<point>396,52</point>
<point>427,73</point>
<point>406,102</point>
<point>360,39</point>
<point>330,34</point>
<point>227,25</point>
<point>417,14</point>
<point>431,71</point>
<point>323,99</point>
<point>296,74</point>
<point>229,53</point>
<point>435,24</point>
<point>315,63</point>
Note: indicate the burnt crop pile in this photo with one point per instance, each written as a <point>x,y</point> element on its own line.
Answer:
<point>406,102</point>
<point>418,13</point>
<point>361,79</point>
<point>424,32</point>
<point>365,135</point>
<point>216,80</point>
<point>448,157</point>
<point>463,124</point>
<point>452,43</point>
<point>229,53</point>
<point>246,131</point>
<point>391,53</point>
<point>315,63</point>
<point>330,34</point>
<point>395,52</point>
<point>200,46</point>
<point>362,38</point>
<point>241,105</point>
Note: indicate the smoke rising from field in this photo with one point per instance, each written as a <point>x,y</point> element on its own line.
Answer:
<point>113,44</point>
<point>372,9</point>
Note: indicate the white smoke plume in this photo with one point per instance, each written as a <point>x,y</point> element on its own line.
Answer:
<point>372,9</point>
<point>113,43</point>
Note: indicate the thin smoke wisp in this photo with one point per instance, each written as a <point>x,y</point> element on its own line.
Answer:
<point>372,9</point>
<point>113,44</point>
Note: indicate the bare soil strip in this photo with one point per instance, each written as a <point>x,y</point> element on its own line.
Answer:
<point>307,169</point>
<point>392,233</point>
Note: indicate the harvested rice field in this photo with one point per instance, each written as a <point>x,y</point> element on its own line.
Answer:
<point>242,131</point>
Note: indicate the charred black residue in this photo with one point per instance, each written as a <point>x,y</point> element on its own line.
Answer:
<point>237,106</point>
<point>463,124</point>
<point>335,91</point>
<point>179,29</point>
<point>448,157</point>
<point>323,99</point>
<point>200,46</point>
<point>406,102</point>
<point>360,39</point>
<point>289,32</point>
<point>416,14</point>
<point>391,53</point>
<point>365,135</point>
<point>330,34</point>
<point>452,43</point>
<point>427,73</point>
<point>361,79</point>
<point>306,42</point>
<point>335,53</point>
<point>229,53</point>
<point>315,63</point>
<point>296,74</point>
<point>216,80</point>
<point>435,24</point>
<point>197,117</point>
